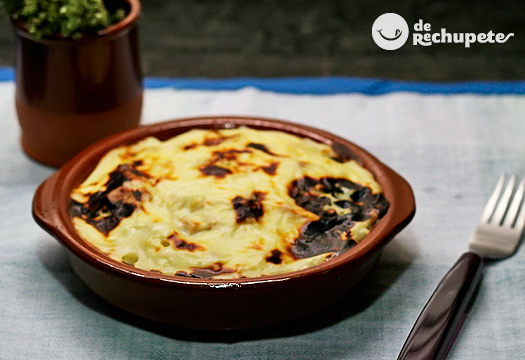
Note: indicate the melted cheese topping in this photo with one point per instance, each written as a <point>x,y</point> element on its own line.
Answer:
<point>217,203</point>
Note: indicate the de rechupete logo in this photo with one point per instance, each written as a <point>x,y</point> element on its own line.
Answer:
<point>390,31</point>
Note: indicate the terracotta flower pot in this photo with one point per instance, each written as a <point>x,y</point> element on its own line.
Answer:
<point>72,93</point>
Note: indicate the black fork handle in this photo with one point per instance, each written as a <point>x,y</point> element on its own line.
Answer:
<point>440,321</point>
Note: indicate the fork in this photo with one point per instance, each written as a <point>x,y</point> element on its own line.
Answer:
<point>496,237</point>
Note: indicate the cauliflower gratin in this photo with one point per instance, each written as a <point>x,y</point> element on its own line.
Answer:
<point>224,204</point>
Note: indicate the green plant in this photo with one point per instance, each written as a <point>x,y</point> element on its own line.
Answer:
<point>63,18</point>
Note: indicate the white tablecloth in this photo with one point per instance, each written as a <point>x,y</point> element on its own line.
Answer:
<point>451,148</point>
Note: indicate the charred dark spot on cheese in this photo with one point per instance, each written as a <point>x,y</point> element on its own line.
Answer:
<point>270,169</point>
<point>106,208</point>
<point>339,203</point>
<point>181,244</point>
<point>215,166</point>
<point>103,223</point>
<point>137,194</point>
<point>343,153</point>
<point>190,146</point>
<point>262,148</point>
<point>214,141</point>
<point>228,154</point>
<point>275,257</point>
<point>214,170</point>
<point>124,195</point>
<point>208,272</point>
<point>248,208</point>
<point>329,234</point>
<point>209,141</point>
<point>188,275</point>
<point>227,161</point>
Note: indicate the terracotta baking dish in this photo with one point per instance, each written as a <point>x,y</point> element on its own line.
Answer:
<point>217,304</point>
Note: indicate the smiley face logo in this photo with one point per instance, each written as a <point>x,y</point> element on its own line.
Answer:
<point>390,31</point>
<point>396,36</point>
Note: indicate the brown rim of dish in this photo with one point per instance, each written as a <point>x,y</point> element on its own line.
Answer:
<point>51,201</point>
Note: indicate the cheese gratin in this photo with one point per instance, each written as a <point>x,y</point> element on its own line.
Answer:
<point>229,203</point>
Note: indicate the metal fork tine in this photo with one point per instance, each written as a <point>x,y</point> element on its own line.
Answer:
<point>493,200</point>
<point>504,201</point>
<point>512,214</point>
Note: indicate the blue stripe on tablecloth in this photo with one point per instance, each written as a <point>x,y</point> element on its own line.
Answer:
<point>327,85</point>
<point>6,74</point>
